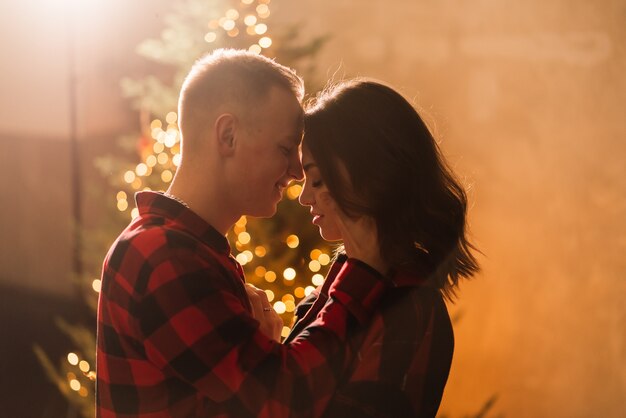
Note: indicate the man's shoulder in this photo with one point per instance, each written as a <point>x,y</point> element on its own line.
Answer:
<point>156,241</point>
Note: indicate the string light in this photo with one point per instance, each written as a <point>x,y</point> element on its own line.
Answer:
<point>228,24</point>
<point>158,147</point>
<point>171,137</point>
<point>250,20</point>
<point>129,176</point>
<point>122,205</point>
<point>270,295</point>
<point>324,259</point>
<point>260,271</point>
<point>210,37</point>
<point>244,238</point>
<point>315,254</point>
<point>72,358</point>
<point>163,158</point>
<point>167,176</point>
<point>289,274</point>
<point>294,191</point>
<point>151,161</point>
<point>96,285</point>
<point>171,117</point>
<point>265,42</point>
<point>260,29</point>
<point>161,136</point>
<point>83,366</point>
<point>256,49</point>
<point>317,279</point>
<point>263,11</point>
<point>141,169</point>
<point>260,251</point>
<point>242,259</point>
<point>232,14</point>
<point>299,292</point>
<point>308,290</point>
<point>270,276</point>
<point>280,307</point>
<point>314,266</point>
<point>292,241</point>
<point>75,385</point>
<point>285,332</point>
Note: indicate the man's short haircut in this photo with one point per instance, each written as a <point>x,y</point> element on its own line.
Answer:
<point>232,77</point>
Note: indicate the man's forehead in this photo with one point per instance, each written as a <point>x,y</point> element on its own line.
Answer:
<point>298,132</point>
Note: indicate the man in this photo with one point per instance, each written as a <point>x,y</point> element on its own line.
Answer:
<point>177,334</point>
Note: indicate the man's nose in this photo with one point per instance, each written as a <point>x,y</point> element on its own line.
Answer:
<point>295,169</point>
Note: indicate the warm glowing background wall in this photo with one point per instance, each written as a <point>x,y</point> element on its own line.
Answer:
<point>528,99</point>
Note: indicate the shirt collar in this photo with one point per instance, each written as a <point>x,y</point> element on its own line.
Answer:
<point>157,203</point>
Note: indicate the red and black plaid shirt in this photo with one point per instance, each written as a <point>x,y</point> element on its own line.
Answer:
<point>176,337</point>
<point>402,358</point>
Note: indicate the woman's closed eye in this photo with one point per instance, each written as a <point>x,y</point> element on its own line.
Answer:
<point>317,183</point>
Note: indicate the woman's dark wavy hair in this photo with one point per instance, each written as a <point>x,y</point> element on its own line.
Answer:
<point>396,174</point>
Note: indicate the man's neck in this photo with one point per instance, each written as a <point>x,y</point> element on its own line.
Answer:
<point>202,200</point>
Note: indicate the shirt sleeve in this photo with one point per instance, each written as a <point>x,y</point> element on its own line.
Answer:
<point>195,326</point>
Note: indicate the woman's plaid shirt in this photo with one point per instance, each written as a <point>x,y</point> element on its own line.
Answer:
<point>402,358</point>
<point>176,337</point>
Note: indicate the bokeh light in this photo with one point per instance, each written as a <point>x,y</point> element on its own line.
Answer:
<point>280,307</point>
<point>317,279</point>
<point>244,238</point>
<point>265,42</point>
<point>289,274</point>
<point>292,241</point>
<point>270,276</point>
<point>72,358</point>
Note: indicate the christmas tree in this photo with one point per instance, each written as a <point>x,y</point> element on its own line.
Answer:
<point>286,263</point>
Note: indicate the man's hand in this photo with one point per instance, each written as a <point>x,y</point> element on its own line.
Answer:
<point>262,311</point>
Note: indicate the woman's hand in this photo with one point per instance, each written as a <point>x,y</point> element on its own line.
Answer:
<point>262,311</point>
<point>360,236</point>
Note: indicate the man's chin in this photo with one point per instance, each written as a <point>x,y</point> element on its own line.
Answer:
<point>267,212</point>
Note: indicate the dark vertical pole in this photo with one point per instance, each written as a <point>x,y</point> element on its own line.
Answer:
<point>75,171</point>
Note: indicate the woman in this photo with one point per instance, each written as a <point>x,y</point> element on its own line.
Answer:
<point>376,180</point>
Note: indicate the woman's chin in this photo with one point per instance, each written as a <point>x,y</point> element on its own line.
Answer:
<point>330,235</point>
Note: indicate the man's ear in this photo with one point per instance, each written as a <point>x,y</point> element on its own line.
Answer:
<point>225,129</point>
